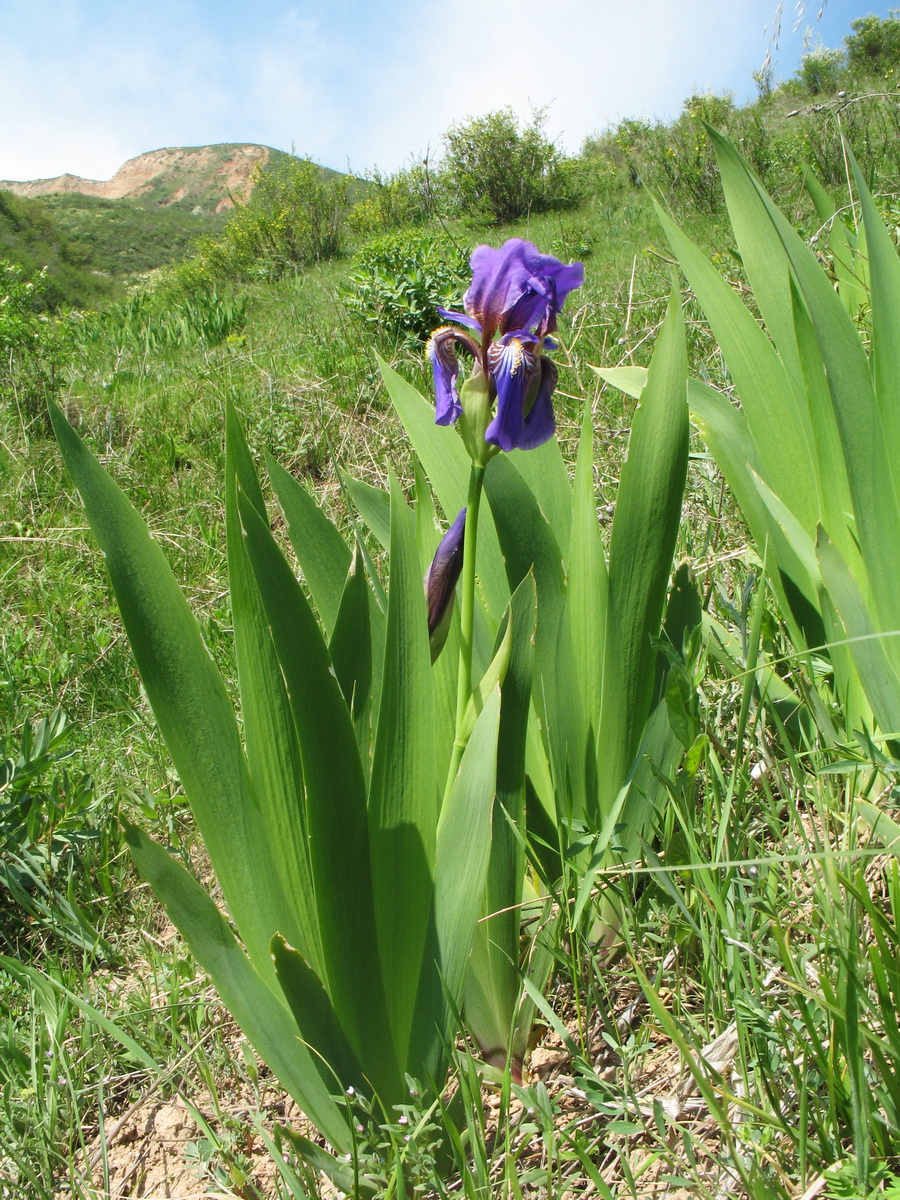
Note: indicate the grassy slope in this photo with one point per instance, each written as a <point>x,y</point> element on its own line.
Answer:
<point>90,245</point>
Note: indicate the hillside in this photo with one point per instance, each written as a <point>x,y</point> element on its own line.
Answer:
<point>208,177</point>
<point>91,233</point>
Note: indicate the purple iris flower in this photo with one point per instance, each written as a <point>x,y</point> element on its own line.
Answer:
<point>440,583</point>
<point>510,309</point>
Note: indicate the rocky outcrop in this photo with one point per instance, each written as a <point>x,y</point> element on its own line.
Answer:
<point>208,176</point>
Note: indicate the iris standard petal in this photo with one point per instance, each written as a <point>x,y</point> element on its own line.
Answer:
<point>565,280</point>
<point>517,287</point>
<point>499,277</point>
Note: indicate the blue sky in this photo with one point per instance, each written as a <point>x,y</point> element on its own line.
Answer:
<point>87,84</point>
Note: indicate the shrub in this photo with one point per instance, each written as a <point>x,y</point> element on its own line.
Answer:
<point>821,70</point>
<point>407,198</point>
<point>873,48</point>
<point>295,217</point>
<point>499,171</point>
<point>399,281</point>
<point>34,347</point>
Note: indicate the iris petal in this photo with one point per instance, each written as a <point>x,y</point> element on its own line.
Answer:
<point>442,352</point>
<point>540,423</point>
<point>512,367</point>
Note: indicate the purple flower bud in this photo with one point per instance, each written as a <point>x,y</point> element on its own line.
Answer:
<point>440,583</point>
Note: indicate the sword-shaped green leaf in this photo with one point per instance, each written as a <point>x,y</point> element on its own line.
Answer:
<point>188,699</point>
<point>403,793</point>
<point>336,816</point>
<point>323,554</point>
<point>770,397</point>
<point>460,870</point>
<point>493,986</point>
<point>873,479</point>
<point>270,738</point>
<point>874,651</point>
<point>261,1014</point>
<point>642,545</point>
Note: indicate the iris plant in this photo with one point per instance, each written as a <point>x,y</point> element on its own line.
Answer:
<point>505,402</point>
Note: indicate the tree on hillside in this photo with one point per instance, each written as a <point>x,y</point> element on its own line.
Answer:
<point>294,218</point>
<point>873,48</point>
<point>500,171</point>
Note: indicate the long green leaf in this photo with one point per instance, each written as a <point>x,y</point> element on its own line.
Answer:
<point>323,554</point>
<point>871,649</point>
<point>770,402</point>
<point>262,1015</point>
<point>642,545</point>
<point>871,473</point>
<point>269,734</point>
<point>316,1018</point>
<point>528,541</point>
<point>337,820</point>
<point>187,696</point>
<point>884,268</point>
<point>493,985</point>
<point>834,501</point>
<point>460,872</point>
<point>357,651</point>
<point>849,266</point>
<point>586,611</point>
<point>403,794</point>
<point>373,505</point>
<point>544,470</point>
<point>724,429</point>
<point>760,247</point>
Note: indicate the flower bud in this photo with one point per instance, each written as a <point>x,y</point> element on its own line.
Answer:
<point>440,583</point>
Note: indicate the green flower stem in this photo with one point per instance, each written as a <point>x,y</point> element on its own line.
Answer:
<point>467,620</point>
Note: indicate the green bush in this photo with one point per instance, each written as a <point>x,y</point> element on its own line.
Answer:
<point>497,171</point>
<point>34,347</point>
<point>295,217</point>
<point>395,201</point>
<point>873,48</point>
<point>399,281</point>
<point>821,71</point>
<point>32,237</point>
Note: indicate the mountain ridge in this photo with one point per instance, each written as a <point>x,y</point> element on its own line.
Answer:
<point>208,177</point>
